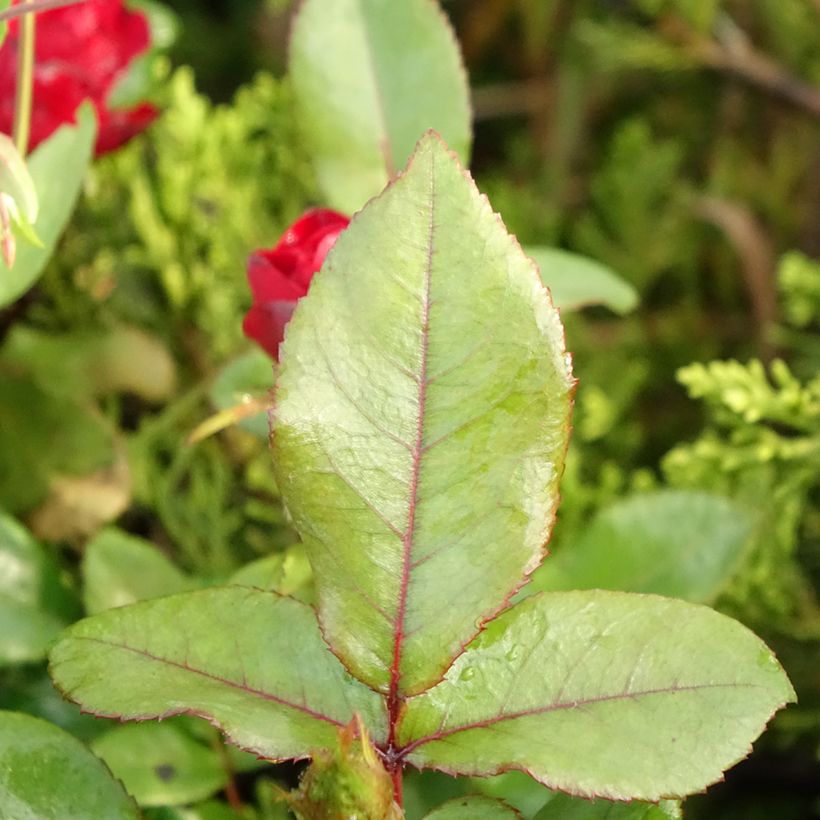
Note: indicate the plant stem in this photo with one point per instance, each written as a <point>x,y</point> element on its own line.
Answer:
<point>25,82</point>
<point>34,6</point>
<point>398,785</point>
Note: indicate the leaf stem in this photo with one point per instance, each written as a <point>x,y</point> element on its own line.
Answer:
<point>25,82</point>
<point>398,784</point>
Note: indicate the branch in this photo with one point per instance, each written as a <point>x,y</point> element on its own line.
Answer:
<point>733,53</point>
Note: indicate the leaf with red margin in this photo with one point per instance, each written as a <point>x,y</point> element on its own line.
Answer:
<point>420,424</point>
<point>600,694</point>
<point>251,662</point>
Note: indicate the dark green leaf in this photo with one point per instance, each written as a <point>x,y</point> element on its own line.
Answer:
<point>371,76</point>
<point>42,437</point>
<point>46,774</point>
<point>604,694</point>
<point>159,764</point>
<point>516,788</point>
<point>119,569</point>
<point>64,156</point>
<point>421,421</point>
<point>252,662</point>
<point>577,281</point>
<point>676,543</point>
<point>473,807</point>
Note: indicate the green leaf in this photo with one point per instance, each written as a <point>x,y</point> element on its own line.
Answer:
<point>4,4</point>
<point>15,180</point>
<point>420,426</point>
<point>32,598</point>
<point>240,382</point>
<point>251,662</point>
<point>57,167</point>
<point>370,77</point>
<point>160,764</point>
<point>602,694</point>
<point>46,774</point>
<point>676,543</point>
<point>577,281</point>
<point>566,807</point>
<point>474,807</point>
<point>119,569</point>
<point>43,436</point>
<point>516,788</point>
<point>287,573</point>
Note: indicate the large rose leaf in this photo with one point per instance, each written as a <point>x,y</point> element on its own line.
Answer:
<point>64,156</point>
<point>420,425</point>
<point>601,694</point>
<point>370,77</point>
<point>46,774</point>
<point>251,662</point>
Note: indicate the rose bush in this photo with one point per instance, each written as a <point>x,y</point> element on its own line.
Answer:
<point>280,276</point>
<point>81,52</point>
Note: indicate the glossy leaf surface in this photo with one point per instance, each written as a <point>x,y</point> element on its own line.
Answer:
<point>46,774</point>
<point>251,662</point>
<point>474,807</point>
<point>119,569</point>
<point>371,76</point>
<point>421,420</point>
<point>677,543</point>
<point>65,156</point>
<point>602,694</point>
<point>577,281</point>
<point>160,764</point>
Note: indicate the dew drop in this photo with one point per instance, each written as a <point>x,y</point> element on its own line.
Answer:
<point>468,673</point>
<point>512,654</point>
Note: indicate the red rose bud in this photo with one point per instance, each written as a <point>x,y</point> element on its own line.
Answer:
<point>279,277</point>
<point>81,51</point>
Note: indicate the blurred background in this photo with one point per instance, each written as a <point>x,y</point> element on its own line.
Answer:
<point>675,141</point>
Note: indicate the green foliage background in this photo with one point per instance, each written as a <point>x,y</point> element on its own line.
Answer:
<point>677,141</point>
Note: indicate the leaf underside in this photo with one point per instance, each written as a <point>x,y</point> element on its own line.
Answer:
<point>370,77</point>
<point>251,662</point>
<point>419,442</point>
<point>600,694</point>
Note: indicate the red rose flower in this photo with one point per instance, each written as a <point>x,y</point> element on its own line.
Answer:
<point>279,277</point>
<point>80,52</point>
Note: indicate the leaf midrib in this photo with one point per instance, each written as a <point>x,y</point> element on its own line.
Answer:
<point>556,707</point>
<point>243,687</point>
<point>393,697</point>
